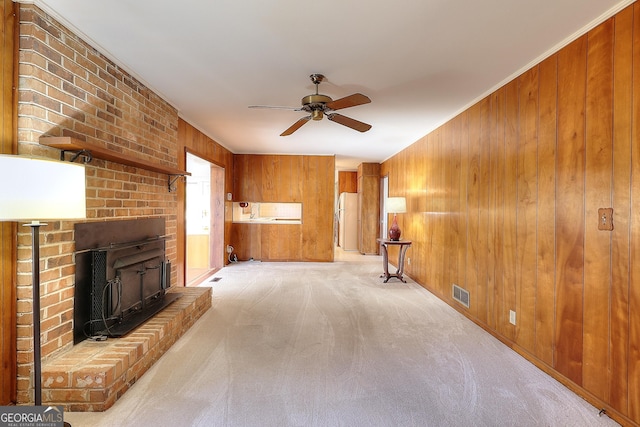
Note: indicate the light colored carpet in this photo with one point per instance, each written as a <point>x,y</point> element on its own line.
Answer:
<point>329,344</point>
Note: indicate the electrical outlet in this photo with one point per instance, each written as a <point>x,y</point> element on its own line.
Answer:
<point>512,317</point>
<point>409,261</point>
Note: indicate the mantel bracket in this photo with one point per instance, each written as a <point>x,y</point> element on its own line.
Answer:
<point>86,155</point>
<point>172,180</point>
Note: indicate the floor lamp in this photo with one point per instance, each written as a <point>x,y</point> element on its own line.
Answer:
<point>35,190</point>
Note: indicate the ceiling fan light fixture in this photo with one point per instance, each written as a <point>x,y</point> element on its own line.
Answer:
<point>316,114</point>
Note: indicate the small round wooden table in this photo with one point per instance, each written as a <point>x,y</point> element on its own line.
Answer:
<point>404,245</point>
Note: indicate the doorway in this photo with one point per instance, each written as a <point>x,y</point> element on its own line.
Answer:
<point>204,219</point>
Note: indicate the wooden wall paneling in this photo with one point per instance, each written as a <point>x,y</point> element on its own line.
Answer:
<point>510,199</point>
<point>449,248</point>
<point>404,220</point>
<point>453,210</point>
<point>288,174</point>
<point>239,183</point>
<point>430,249</point>
<point>494,247</point>
<point>526,209</point>
<point>311,169</point>
<point>397,182</point>
<point>498,168</point>
<point>484,252</point>
<point>325,223</point>
<point>328,219</point>
<point>414,192</point>
<point>408,226</point>
<point>246,240</point>
<point>438,226</point>
<point>347,182</point>
<point>570,219</point>
<point>268,249</point>
<point>634,261</point>
<point>398,190</point>
<point>473,200</point>
<point>317,236</point>
<point>281,242</point>
<point>545,262</point>
<point>620,262</point>
<point>369,207</point>
<point>256,183</point>
<point>315,168</point>
<point>418,260</point>
<point>598,172</point>
<point>441,206</point>
<point>271,178</point>
<point>463,224</point>
<point>296,180</point>
<point>227,157</point>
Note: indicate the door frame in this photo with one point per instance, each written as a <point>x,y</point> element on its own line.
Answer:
<point>217,212</point>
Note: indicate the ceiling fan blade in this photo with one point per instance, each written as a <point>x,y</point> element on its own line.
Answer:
<point>349,122</point>
<point>275,107</point>
<point>348,101</point>
<point>297,125</point>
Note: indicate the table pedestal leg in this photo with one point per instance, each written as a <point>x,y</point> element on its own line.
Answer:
<point>385,263</point>
<point>400,271</point>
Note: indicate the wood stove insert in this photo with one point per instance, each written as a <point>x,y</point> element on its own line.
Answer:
<point>121,276</point>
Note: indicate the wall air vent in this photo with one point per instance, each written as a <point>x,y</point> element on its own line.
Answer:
<point>461,295</point>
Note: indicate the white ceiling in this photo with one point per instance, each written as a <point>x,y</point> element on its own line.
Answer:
<point>420,61</point>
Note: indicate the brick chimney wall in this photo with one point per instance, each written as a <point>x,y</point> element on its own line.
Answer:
<point>67,88</point>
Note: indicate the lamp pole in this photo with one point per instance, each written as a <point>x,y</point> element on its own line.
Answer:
<point>35,279</point>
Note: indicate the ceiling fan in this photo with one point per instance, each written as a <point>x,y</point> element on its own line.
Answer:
<point>318,105</point>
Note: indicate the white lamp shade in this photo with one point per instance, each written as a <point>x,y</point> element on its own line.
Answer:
<point>396,205</point>
<point>36,189</point>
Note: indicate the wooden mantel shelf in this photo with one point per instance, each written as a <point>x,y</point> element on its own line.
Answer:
<point>65,143</point>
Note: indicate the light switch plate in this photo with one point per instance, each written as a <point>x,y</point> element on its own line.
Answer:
<point>605,219</point>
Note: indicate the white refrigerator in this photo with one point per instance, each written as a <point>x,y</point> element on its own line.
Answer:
<point>348,221</point>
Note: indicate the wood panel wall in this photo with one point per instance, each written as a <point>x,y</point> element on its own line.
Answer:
<point>503,200</point>
<point>192,140</point>
<point>8,231</point>
<point>278,178</point>
<point>347,182</point>
<point>368,186</point>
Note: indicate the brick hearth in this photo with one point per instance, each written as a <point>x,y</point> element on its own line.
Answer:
<point>92,375</point>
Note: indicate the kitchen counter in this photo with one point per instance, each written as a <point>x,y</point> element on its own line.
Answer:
<point>267,220</point>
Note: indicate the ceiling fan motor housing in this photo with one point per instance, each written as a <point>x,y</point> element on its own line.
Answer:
<point>315,104</point>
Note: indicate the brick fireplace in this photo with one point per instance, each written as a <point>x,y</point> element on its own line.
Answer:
<point>67,88</point>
